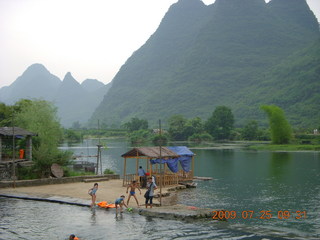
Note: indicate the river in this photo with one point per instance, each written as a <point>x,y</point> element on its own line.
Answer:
<point>272,195</point>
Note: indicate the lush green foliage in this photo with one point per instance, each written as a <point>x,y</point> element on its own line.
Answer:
<point>72,136</point>
<point>136,124</point>
<point>220,124</point>
<point>160,140</point>
<point>234,53</point>
<point>181,128</point>
<point>40,117</point>
<point>140,136</point>
<point>285,147</point>
<point>281,132</point>
<point>203,137</point>
<point>250,130</point>
<point>108,171</point>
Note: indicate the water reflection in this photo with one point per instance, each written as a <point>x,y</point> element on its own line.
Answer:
<point>93,216</point>
<point>280,165</point>
<point>119,216</point>
<point>243,180</point>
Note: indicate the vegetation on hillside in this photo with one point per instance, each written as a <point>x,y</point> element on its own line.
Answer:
<point>241,54</point>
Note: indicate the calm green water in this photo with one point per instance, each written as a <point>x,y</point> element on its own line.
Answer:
<point>244,181</point>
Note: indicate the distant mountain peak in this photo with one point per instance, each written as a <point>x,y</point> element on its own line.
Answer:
<point>36,69</point>
<point>239,4</point>
<point>91,85</point>
<point>68,78</point>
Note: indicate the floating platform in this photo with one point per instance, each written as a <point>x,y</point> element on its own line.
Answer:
<point>177,212</point>
<point>203,178</point>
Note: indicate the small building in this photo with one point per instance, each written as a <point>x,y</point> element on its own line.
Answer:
<point>6,136</point>
<point>174,164</point>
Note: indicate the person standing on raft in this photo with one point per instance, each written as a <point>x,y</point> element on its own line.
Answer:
<point>133,187</point>
<point>92,192</point>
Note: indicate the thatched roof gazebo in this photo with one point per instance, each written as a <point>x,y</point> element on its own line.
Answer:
<point>168,156</point>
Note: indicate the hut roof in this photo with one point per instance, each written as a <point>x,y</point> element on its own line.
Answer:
<point>151,152</point>
<point>8,131</point>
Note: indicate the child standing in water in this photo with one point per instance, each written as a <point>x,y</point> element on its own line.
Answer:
<point>150,193</point>
<point>92,193</point>
<point>133,187</point>
<point>119,203</point>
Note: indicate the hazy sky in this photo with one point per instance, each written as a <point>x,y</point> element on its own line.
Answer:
<point>89,38</point>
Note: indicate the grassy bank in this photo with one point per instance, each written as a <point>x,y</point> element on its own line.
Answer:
<point>285,147</point>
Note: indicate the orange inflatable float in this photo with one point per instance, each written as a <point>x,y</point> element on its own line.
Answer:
<point>104,204</point>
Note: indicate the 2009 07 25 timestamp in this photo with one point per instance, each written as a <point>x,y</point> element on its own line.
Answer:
<point>263,214</point>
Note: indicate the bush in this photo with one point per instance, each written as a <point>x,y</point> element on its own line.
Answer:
<point>108,171</point>
<point>158,140</point>
<point>206,137</point>
<point>139,136</point>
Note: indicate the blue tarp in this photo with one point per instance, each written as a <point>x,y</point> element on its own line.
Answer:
<point>172,163</point>
<point>181,151</point>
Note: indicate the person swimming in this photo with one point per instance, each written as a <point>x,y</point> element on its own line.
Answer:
<point>133,187</point>
<point>73,237</point>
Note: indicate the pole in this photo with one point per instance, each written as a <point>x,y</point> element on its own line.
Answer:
<point>161,174</point>
<point>98,154</point>
<point>13,153</point>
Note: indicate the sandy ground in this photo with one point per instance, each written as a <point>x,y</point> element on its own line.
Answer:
<point>108,191</point>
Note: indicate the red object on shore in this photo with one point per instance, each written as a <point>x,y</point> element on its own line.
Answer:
<point>21,153</point>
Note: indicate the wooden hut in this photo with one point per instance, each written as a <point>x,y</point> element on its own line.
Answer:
<point>7,133</point>
<point>168,157</point>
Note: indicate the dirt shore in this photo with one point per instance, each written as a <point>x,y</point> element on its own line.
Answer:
<point>108,191</point>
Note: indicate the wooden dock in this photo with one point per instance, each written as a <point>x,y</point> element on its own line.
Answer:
<point>203,178</point>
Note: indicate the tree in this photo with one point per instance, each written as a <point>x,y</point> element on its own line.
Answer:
<point>41,117</point>
<point>139,136</point>
<point>177,127</point>
<point>136,124</point>
<point>5,115</point>
<point>281,131</point>
<point>250,131</point>
<point>220,124</point>
<point>76,125</point>
<point>196,126</point>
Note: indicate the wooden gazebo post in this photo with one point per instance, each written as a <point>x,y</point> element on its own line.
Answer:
<point>124,170</point>
<point>192,166</point>
<point>137,163</point>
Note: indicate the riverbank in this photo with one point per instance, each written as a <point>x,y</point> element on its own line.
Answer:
<point>76,194</point>
<point>108,191</point>
<point>285,147</point>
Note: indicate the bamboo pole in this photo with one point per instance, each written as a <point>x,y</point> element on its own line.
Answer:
<point>124,170</point>
<point>192,167</point>
<point>13,153</point>
<point>137,163</point>
<point>161,174</point>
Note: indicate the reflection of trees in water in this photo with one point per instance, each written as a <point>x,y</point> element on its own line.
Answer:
<point>208,161</point>
<point>279,164</point>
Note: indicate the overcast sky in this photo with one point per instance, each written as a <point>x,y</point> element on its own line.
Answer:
<point>89,38</point>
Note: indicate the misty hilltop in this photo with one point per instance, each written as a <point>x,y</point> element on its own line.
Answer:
<point>75,102</point>
<point>238,53</point>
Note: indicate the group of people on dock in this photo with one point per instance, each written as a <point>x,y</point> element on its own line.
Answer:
<point>120,202</point>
